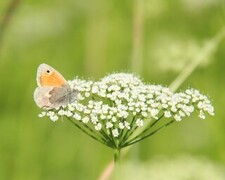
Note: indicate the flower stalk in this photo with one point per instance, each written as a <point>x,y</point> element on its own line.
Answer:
<point>117,155</point>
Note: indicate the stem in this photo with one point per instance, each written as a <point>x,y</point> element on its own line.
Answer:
<point>123,142</point>
<point>92,131</point>
<point>108,138</point>
<point>134,140</point>
<point>89,134</point>
<point>149,127</point>
<point>137,37</point>
<point>117,162</point>
<point>116,156</point>
<point>208,49</point>
<point>129,132</point>
<point>112,138</point>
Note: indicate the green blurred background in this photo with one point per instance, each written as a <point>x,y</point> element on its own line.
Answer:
<point>156,39</point>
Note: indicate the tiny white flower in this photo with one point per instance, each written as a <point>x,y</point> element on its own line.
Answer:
<point>138,110</point>
<point>68,113</point>
<point>109,125</point>
<point>114,110</point>
<point>127,124</point>
<point>114,119</point>
<point>211,110</point>
<point>79,107</point>
<point>167,114</point>
<point>139,122</point>
<point>85,120</point>
<point>103,117</point>
<point>150,101</point>
<point>202,114</point>
<point>98,127</point>
<point>177,117</point>
<point>165,106</point>
<point>154,113</point>
<point>174,109</point>
<point>121,125</point>
<point>191,109</point>
<point>90,106</point>
<point>118,101</point>
<point>144,114</point>
<point>186,101</point>
<point>61,112</point>
<point>94,119</point>
<point>188,91</point>
<point>115,132</point>
<point>70,107</point>
<point>54,118</point>
<point>155,105</point>
<point>80,97</point>
<point>131,108</point>
<point>200,105</point>
<point>102,94</point>
<point>94,89</point>
<point>77,116</point>
<point>87,111</point>
<point>42,114</point>
<point>181,113</point>
<point>50,113</point>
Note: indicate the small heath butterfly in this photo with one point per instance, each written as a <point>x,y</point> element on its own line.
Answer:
<point>53,90</point>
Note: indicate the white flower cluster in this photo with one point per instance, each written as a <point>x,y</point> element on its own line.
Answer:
<point>122,101</point>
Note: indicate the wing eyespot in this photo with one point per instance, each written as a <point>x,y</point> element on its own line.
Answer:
<point>48,72</point>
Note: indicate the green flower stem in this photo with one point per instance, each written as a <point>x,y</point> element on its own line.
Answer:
<point>94,132</point>
<point>117,158</point>
<point>108,138</point>
<point>154,123</point>
<point>117,155</point>
<point>90,135</point>
<point>136,139</point>
<point>149,127</point>
<point>207,50</point>
<point>112,137</point>
<point>122,135</point>
<point>128,132</point>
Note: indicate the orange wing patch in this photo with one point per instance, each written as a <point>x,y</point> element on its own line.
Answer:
<point>52,79</point>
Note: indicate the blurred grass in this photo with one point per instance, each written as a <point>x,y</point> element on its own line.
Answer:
<point>90,39</point>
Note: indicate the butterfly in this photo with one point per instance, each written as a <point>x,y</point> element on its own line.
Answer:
<point>53,90</point>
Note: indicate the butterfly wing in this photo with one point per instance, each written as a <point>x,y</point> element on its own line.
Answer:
<point>48,76</point>
<point>53,90</point>
<point>54,97</point>
<point>41,96</point>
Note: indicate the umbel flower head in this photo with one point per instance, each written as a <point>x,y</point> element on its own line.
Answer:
<point>120,110</point>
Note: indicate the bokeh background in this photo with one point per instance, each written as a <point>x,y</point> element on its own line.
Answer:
<point>156,39</point>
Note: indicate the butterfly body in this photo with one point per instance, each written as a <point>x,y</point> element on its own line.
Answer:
<point>53,90</point>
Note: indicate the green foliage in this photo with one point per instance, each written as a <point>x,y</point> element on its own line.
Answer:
<point>90,39</point>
